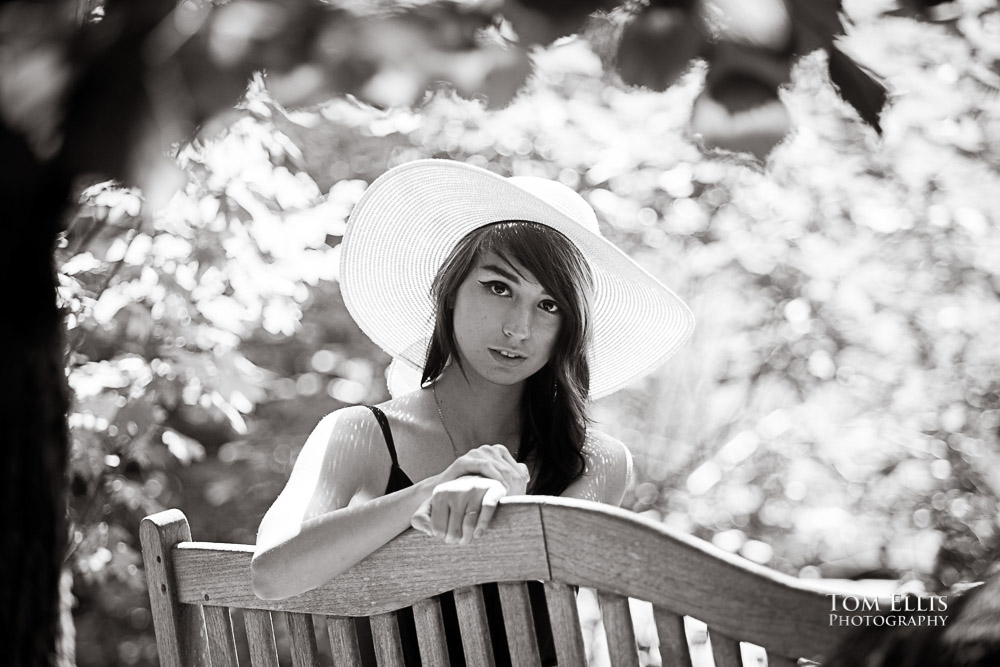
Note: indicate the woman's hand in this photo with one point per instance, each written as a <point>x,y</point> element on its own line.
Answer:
<point>493,462</point>
<point>459,509</point>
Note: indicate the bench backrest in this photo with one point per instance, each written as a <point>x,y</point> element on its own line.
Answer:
<point>563,543</point>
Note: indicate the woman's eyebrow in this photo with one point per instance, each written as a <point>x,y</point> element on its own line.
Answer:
<point>500,271</point>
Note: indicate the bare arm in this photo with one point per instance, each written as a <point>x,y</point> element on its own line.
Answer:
<point>332,513</point>
<point>312,531</point>
<point>607,471</point>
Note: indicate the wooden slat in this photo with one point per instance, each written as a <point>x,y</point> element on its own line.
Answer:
<point>260,637</point>
<point>674,649</point>
<point>343,641</point>
<point>221,642</point>
<point>385,633</point>
<point>781,661</point>
<point>471,610</point>
<point>181,638</point>
<point>430,632</point>
<point>519,623</point>
<point>725,650</point>
<point>565,617</point>
<point>672,571</point>
<point>619,630</point>
<point>411,567</point>
<point>303,640</point>
<point>655,563</point>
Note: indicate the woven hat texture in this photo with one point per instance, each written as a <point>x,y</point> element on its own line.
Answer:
<point>410,218</point>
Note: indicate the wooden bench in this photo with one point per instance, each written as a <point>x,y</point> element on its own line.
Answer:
<point>563,543</point>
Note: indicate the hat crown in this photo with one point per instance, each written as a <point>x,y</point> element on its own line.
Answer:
<point>561,197</point>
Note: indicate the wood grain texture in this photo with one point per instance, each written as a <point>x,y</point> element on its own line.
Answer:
<point>618,628</point>
<point>561,601</point>
<point>385,634</point>
<point>430,632</point>
<point>686,576</point>
<point>221,642</point>
<point>519,623</point>
<point>554,540</point>
<point>260,637</point>
<point>302,635</point>
<point>725,650</point>
<point>181,637</point>
<point>476,642</point>
<point>409,568</point>
<point>343,641</point>
<point>674,649</point>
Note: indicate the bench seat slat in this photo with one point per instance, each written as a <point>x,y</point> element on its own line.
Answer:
<point>674,649</point>
<point>430,632</point>
<point>471,610</point>
<point>221,642</point>
<point>519,623</point>
<point>725,650</point>
<point>388,646</point>
<point>343,641</point>
<point>565,618</point>
<point>303,640</point>
<point>618,628</point>
<point>260,637</point>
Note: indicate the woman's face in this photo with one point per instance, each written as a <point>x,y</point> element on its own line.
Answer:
<point>506,324</point>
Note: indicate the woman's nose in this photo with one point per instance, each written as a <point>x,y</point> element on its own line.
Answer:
<point>517,323</point>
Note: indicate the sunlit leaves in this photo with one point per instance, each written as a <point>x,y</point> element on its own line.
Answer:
<point>197,58</point>
<point>762,24</point>
<point>159,303</point>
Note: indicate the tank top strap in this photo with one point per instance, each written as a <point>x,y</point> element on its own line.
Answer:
<point>383,423</point>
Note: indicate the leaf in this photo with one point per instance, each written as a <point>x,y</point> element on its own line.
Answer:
<point>657,47</point>
<point>816,23</point>
<point>740,114</point>
<point>544,22</point>
<point>859,87</point>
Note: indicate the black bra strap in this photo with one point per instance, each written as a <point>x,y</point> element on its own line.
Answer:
<point>383,423</point>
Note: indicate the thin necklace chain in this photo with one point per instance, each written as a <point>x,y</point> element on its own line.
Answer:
<point>447,432</point>
<point>441,417</point>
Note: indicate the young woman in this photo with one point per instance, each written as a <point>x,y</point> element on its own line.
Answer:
<point>518,312</point>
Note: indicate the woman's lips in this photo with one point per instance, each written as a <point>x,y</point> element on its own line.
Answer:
<point>501,356</point>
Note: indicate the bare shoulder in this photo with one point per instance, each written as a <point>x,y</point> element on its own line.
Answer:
<point>608,467</point>
<point>344,451</point>
<point>339,462</point>
<point>340,423</point>
<point>605,450</point>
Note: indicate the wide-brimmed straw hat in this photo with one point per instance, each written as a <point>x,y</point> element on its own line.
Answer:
<point>411,217</point>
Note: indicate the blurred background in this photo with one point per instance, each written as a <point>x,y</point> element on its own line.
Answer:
<point>836,414</point>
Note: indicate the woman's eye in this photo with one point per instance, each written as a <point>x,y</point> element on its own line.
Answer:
<point>549,306</point>
<point>498,289</point>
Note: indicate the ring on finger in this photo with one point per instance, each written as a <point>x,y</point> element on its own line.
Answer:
<point>472,512</point>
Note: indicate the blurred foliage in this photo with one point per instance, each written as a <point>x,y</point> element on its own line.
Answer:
<point>836,413</point>
<point>172,67</point>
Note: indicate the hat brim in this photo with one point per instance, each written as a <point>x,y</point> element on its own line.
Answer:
<point>410,218</point>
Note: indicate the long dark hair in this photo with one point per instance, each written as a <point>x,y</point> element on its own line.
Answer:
<point>554,405</point>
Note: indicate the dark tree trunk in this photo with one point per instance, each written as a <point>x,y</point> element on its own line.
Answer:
<point>33,407</point>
